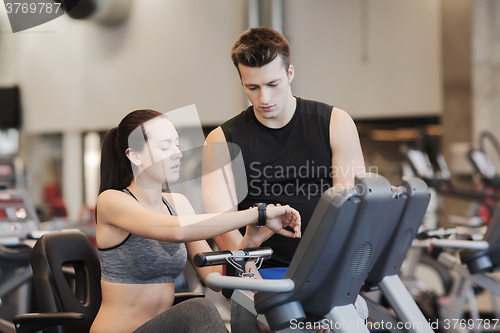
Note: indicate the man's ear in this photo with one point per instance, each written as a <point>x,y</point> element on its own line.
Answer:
<point>133,156</point>
<point>291,73</point>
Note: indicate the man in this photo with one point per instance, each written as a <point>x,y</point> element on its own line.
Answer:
<point>293,149</point>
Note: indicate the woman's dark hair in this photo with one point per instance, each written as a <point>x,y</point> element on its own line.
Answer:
<point>257,47</point>
<point>116,170</point>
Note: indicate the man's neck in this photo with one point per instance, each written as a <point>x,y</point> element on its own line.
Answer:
<point>283,118</point>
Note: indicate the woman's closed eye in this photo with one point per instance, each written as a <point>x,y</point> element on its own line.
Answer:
<point>177,144</point>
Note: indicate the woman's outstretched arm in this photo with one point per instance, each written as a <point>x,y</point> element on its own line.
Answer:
<point>118,209</point>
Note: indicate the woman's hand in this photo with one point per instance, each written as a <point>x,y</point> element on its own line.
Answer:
<point>278,217</point>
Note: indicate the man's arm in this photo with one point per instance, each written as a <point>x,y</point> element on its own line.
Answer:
<point>218,186</point>
<point>347,157</point>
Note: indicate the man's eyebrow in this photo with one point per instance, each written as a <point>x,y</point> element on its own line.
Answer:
<point>256,85</point>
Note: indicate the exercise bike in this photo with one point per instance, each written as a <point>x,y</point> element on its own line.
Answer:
<point>358,234</point>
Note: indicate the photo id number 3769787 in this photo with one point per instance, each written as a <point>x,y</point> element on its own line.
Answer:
<point>32,7</point>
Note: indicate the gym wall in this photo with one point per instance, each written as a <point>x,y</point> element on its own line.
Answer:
<point>374,59</point>
<point>79,75</point>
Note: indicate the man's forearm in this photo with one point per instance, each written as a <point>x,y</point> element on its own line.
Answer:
<point>229,241</point>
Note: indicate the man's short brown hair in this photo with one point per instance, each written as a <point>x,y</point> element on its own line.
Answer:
<point>257,47</point>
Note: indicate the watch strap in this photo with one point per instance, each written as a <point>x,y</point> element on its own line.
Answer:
<point>261,221</point>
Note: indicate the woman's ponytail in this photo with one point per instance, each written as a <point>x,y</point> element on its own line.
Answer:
<point>110,163</point>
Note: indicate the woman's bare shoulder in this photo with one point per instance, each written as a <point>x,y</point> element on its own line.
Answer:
<point>109,194</point>
<point>111,201</point>
<point>181,204</point>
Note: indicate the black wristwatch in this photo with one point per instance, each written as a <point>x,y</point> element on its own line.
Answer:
<point>261,222</point>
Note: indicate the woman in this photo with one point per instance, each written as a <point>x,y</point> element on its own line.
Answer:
<point>144,236</point>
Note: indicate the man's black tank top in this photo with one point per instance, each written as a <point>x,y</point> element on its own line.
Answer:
<point>289,165</point>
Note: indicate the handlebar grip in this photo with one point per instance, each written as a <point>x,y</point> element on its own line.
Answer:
<point>258,252</point>
<point>211,258</point>
<point>232,282</point>
<point>460,244</point>
<point>220,257</point>
<point>436,233</point>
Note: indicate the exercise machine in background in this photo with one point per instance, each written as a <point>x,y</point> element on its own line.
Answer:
<point>471,265</point>
<point>18,220</point>
<point>483,164</point>
<point>427,163</point>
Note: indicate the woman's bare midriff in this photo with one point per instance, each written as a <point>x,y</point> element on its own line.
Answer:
<point>128,306</point>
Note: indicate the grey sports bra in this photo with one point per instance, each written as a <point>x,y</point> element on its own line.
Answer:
<point>139,260</point>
